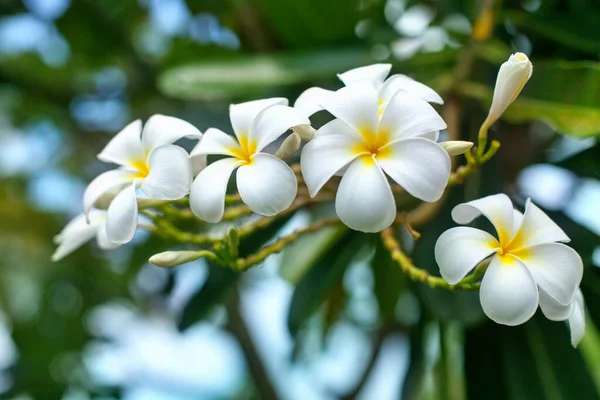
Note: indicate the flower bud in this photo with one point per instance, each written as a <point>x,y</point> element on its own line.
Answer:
<point>456,147</point>
<point>512,76</point>
<point>306,132</point>
<point>170,259</point>
<point>289,146</point>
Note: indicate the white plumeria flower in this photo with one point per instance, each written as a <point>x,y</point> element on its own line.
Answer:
<point>311,100</point>
<point>574,313</point>
<point>265,183</point>
<point>78,231</point>
<point>526,261</point>
<point>151,162</point>
<point>401,143</point>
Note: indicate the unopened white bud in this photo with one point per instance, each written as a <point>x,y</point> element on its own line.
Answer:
<point>511,79</point>
<point>170,259</point>
<point>456,147</point>
<point>290,145</point>
<point>306,132</point>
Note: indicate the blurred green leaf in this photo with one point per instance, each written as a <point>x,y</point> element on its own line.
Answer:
<point>532,361</point>
<point>301,23</point>
<point>302,255</point>
<point>573,29</point>
<point>314,288</point>
<point>389,281</point>
<point>565,95</point>
<point>239,76</point>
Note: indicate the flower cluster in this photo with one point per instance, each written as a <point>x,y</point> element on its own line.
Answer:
<point>382,143</point>
<point>379,127</point>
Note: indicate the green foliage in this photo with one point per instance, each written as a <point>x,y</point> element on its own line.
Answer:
<point>528,361</point>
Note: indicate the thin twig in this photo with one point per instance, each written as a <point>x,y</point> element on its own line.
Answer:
<point>243,264</point>
<point>414,273</point>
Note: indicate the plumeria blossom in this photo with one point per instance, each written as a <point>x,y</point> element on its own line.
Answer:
<point>311,100</point>
<point>265,183</point>
<point>528,266</point>
<point>400,144</point>
<point>147,160</point>
<point>78,231</point>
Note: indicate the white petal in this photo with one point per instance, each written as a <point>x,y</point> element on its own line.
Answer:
<point>553,310</point>
<point>207,195</point>
<point>459,250</point>
<point>497,208</point>
<point>364,200</point>
<point>272,122</point>
<point>309,102</point>
<point>76,233</point>
<point>105,182</point>
<point>267,185</point>
<point>396,83</point>
<point>126,147</point>
<point>536,227</point>
<point>555,267</point>
<point>337,127</point>
<point>326,154</point>
<point>419,165</point>
<point>508,293</point>
<point>518,218</point>
<point>243,114</point>
<point>407,115</point>
<point>356,105</point>
<point>577,320</point>
<point>162,129</point>
<point>374,74</point>
<point>199,162</point>
<point>103,240</point>
<point>215,141</point>
<point>121,217</point>
<point>433,136</point>
<point>170,174</point>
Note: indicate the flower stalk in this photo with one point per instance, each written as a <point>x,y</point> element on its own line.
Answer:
<point>417,274</point>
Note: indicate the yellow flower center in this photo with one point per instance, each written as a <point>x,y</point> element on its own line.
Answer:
<point>246,150</point>
<point>142,167</point>
<point>373,145</point>
<point>508,247</point>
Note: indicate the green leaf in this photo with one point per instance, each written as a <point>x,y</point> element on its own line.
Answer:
<point>244,75</point>
<point>314,288</point>
<point>301,23</point>
<point>532,361</point>
<point>302,255</point>
<point>565,95</point>
<point>572,29</point>
<point>389,281</point>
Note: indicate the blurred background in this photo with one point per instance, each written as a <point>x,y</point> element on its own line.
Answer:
<point>315,322</point>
